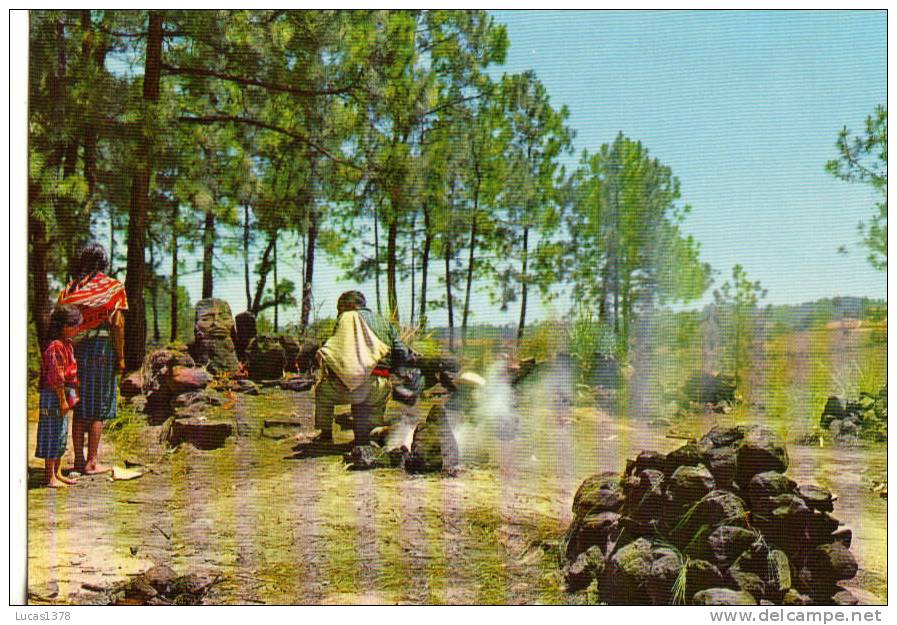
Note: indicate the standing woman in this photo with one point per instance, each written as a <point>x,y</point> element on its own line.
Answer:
<point>99,351</point>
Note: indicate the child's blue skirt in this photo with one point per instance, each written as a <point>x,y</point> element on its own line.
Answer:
<point>52,428</point>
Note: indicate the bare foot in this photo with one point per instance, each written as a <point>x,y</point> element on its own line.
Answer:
<point>95,469</point>
<point>65,479</point>
<point>78,466</point>
<point>55,483</point>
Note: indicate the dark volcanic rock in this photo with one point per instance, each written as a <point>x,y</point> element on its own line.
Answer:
<point>817,498</point>
<point>760,450</point>
<point>600,492</point>
<point>728,541</point>
<point>587,566</point>
<point>687,455</point>
<point>265,358</point>
<point>593,530</point>
<point>723,596</point>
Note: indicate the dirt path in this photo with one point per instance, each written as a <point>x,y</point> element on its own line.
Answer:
<point>281,528</point>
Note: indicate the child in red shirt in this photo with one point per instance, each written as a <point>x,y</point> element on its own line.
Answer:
<point>58,392</point>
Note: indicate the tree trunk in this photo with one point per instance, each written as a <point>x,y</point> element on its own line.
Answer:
<point>523,282</point>
<point>377,260</point>
<point>424,266</point>
<point>276,298</point>
<point>135,328</point>
<point>470,261</point>
<point>448,292</point>
<point>90,130</point>
<point>174,271</point>
<point>310,240</point>
<point>413,250</point>
<point>264,268</point>
<point>246,255</point>
<point>40,267</point>
<point>154,296</point>
<point>208,254</point>
<point>392,297</point>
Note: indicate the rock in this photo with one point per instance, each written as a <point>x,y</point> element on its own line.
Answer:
<point>433,447</point>
<point>361,458</point>
<point>701,575</point>
<point>160,577</point>
<point>688,484</point>
<point>835,408</point>
<point>848,428</point>
<point>817,498</point>
<point>792,597</point>
<point>593,530</point>
<point>297,384</point>
<point>760,450</point>
<point>213,337</point>
<point>291,349</point>
<point>629,572</point>
<point>723,596</point>
<point>834,560</point>
<point>721,507</point>
<point>588,565</point>
<point>764,487</point>
<point>722,463</point>
<point>649,460</point>
<point>245,327</point>
<point>706,388</point>
<point>665,567</point>
<point>687,455</point>
<point>727,542</point>
<point>186,379</point>
<point>198,397</point>
<point>844,536</point>
<point>305,361</point>
<point>244,386</point>
<point>131,385</point>
<point>844,597</point>
<point>819,527</point>
<point>720,436</point>
<point>746,579</point>
<point>265,358</point>
<point>199,432</point>
<point>600,492</point>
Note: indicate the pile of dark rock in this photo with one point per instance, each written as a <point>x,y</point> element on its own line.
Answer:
<point>848,420</point>
<point>711,523</point>
<point>173,391</point>
<point>161,585</point>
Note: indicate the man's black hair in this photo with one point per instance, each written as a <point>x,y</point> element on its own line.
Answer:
<point>351,300</point>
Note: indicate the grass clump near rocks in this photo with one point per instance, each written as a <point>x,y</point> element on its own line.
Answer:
<point>716,522</point>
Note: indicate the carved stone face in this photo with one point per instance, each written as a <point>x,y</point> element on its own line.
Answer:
<point>213,319</point>
<point>214,336</point>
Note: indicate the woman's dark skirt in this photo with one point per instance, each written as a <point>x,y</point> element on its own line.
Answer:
<point>96,372</point>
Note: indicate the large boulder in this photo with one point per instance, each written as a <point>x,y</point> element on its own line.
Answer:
<point>601,492</point>
<point>760,450</point>
<point>246,331</point>
<point>265,358</point>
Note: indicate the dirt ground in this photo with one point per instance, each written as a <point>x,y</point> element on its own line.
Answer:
<point>274,526</point>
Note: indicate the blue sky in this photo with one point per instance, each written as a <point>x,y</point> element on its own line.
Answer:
<point>744,107</point>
